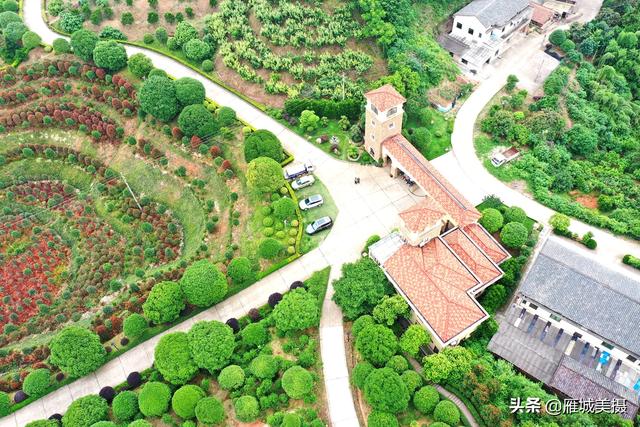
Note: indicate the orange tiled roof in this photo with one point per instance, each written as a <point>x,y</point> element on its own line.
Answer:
<point>437,186</point>
<point>484,240</point>
<point>385,97</point>
<point>437,284</point>
<point>541,14</point>
<point>474,258</point>
<point>422,215</point>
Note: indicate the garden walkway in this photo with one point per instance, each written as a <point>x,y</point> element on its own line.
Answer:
<point>370,207</point>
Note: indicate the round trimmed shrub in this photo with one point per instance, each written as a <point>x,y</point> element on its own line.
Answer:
<point>291,419</point>
<point>398,363</point>
<point>377,344</point>
<point>164,303</point>
<point>514,235</point>
<point>231,377</point>
<point>491,219</point>
<point>37,382</point>
<point>61,45</point>
<point>262,143</point>
<point>274,299</point>
<point>385,391</point>
<point>381,419</point>
<point>447,412</point>
<point>226,116</point>
<point>360,373</point>
<point>515,214</point>
<point>5,404</point>
<point>104,424</point>
<point>185,399</point>
<point>211,344</point>
<point>264,175</point>
<point>203,284</point>
<point>297,382</point>
<point>233,324</point>
<point>197,120</point>
<point>269,248</point>
<point>210,411</point>
<point>255,335</point>
<point>43,423</point>
<point>207,65</point>
<point>107,393</point>
<point>140,423</point>
<point>134,325</point>
<point>110,55</point>
<point>264,366</point>
<point>284,208</point>
<point>157,97</point>
<point>426,399</point>
<point>76,351</point>
<point>173,358</point>
<point>298,310</point>
<point>83,42</point>
<point>85,411</point>
<point>140,65</point>
<point>246,408</point>
<point>134,379</point>
<point>240,271</point>
<point>125,406</point>
<point>154,399</point>
<point>360,323</point>
<point>196,50</point>
<point>412,380</point>
<point>190,91</point>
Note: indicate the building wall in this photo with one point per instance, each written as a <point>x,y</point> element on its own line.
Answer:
<point>463,24</point>
<point>380,125</point>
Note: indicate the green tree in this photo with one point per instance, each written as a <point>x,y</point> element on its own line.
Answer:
<point>298,310</point>
<point>60,46</point>
<point>203,284</point>
<point>447,412</point>
<point>255,335</point>
<point>231,377</point>
<point>164,303</point>
<point>262,143</point>
<point>85,411</point>
<point>246,408</point>
<point>264,366</point>
<point>70,21</point>
<point>110,55</point>
<point>309,120</point>
<point>37,383</point>
<point>184,32</point>
<point>196,50</point>
<point>139,64</point>
<point>512,81</point>
<point>413,338</point>
<point>514,235</point>
<point>83,42</point>
<point>270,248</point>
<point>189,91</point>
<point>361,287</point>
<point>240,271</point>
<point>297,382</point>
<point>264,175</point>
<point>284,208</point>
<point>389,309</point>
<point>209,411</point>
<point>125,406</point>
<point>173,358</point>
<point>558,37</point>
<point>211,344</point>
<point>426,399</point>
<point>450,365</point>
<point>134,325</point>
<point>197,120</point>
<point>154,399</point>
<point>30,40</point>
<point>385,391</point>
<point>360,373</point>
<point>492,220</point>
<point>157,96</point>
<point>377,344</point>
<point>185,399</point>
<point>560,222</point>
<point>515,214</point>
<point>76,351</point>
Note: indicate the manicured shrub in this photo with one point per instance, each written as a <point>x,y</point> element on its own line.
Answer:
<point>203,284</point>
<point>196,50</point>
<point>360,373</point>
<point>5,404</point>
<point>246,408</point>
<point>398,363</point>
<point>110,55</point>
<point>76,351</point>
<point>30,40</point>
<point>412,380</point>
<point>270,248</point>
<point>264,175</point>
<point>240,271</point>
<point>381,419</point>
<point>157,97</point>
<point>134,379</point>
<point>154,399</point>
<point>125,406</point>
<point>377,344</point>
<point>231,377</point>
<point>389,309</point>
<point>210,411</point>
<point>140,423</point>
<point>233,324</point>
<point>83,42</point>
<point>413,338</point>
<point>37,382</point>
<point>140,64</point>
<point>226,116</point>
<point>385,391</point>
<point>197,120</point>
<point>264,366</point>
<point>298,310</point>
<point>107,393</point>
<point>185,399</point>
<point>212,344</point>
<point>19,396</point>
<point>61,45</point>
<point>491,219</point>
<point>426,399</point>
<point>184,32</point>
<point>255,335</point>
<point>164,303</point>
<point>360,323</point>
<point>284,208</point>
<point>297,382</point>
<point>291,419</point>
<point>134,325</point>
<point>560,222</point>
<point>447,412</point>
<point>274,299</point>
<point>43,423</point>
<point>515,214</point>
<point>173,358</point>
<point>104,424</point>
<point>207,65</point>
<point>189,91</point>
<point>262,143</point>
<point>85,411</point>
<point>514,235</point>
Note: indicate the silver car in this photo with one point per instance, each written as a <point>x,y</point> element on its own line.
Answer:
<point>302,182</point>
<point>319,225</point>
<point>311,202</point>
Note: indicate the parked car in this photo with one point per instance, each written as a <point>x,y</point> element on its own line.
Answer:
<point>311,202</point>
<point>295,171</point>
<point>500,158</point>
<point>303,181</point>
<point>319,225</point>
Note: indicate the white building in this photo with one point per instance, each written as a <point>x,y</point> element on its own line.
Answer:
<point>483,29</point>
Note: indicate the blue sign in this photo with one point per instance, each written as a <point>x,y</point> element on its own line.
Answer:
<point>604,357</point>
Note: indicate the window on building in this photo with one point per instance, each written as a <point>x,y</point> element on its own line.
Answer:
<point>533,306</point>
<point>392,125</point>
<point>373,122</point>
<point>373,136</point>
<point>555,317</point>
<point>631,359</point>
<point>464,61</point>
<point>372,152</point>
<point>374,109</point>
<point>459,25</point>
<point>497,52</point>
<point>479,35</point>
<point>607,345</point>
<point>392,111</point>
<point>471,31</point>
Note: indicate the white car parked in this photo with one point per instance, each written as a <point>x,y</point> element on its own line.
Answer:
<point>302,182</point>
<point>311,202</point>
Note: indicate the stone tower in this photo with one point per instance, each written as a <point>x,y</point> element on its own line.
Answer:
<point>383,118</point>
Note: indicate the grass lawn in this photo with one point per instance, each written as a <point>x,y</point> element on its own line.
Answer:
<point>327,209</point>
<point>439,127</point>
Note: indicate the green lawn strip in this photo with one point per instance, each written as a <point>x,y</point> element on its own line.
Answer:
<point>440,134</point>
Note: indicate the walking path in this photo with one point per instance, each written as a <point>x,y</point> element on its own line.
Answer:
<point>370,207</point>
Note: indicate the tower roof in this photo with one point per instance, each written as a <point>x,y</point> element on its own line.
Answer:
<point>385,97</point>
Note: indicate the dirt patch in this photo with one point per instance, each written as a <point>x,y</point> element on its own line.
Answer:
<point>520,186</point>
<point>589,201</point>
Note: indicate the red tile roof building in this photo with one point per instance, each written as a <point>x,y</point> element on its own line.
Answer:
<point>442,258</point>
